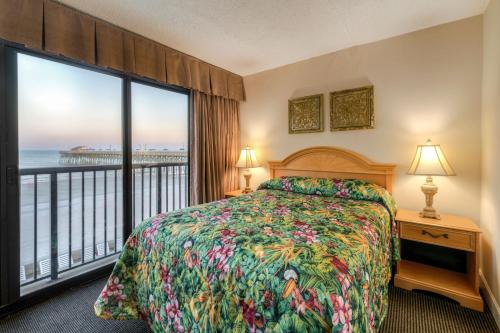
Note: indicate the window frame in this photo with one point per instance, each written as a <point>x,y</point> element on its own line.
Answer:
<point>10,299</point>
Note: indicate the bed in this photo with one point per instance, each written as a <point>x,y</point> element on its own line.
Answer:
<point>310,251</point>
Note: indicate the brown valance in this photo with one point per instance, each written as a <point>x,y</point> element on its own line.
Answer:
<point>110,46</point>
<point>50,26</point>
<point>69,33</point>
<point>149,59</point>
<point>178,69</point>
<point>21,22</point>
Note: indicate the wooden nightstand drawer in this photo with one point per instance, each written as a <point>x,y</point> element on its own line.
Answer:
<point>438,236</point>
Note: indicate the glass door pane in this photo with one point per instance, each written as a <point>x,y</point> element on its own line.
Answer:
<point>70,161</point>
<point>160,150</point>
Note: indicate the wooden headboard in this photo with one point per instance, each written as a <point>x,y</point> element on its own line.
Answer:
<point>332,162</point>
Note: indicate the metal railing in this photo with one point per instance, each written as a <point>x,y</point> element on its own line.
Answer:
<point>158,188</point>
<point>72,216</point>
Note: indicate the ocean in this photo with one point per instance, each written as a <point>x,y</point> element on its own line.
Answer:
<point>79,216</point>
<point>33,158</point>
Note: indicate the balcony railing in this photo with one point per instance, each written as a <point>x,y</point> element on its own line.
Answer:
<point>72,216</point>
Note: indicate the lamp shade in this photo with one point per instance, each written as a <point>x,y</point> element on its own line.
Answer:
<point>247,159</point>
<point>429,160</point>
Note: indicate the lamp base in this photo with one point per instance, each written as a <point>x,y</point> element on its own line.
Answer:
<point>430,214</point>
<point>429,189</point>
<point>247,176</point>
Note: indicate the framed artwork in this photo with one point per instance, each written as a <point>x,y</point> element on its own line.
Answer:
<point>305,114</point>
<point>351,109</point>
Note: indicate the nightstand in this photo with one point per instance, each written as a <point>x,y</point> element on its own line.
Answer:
<point>233,194</point>
<point>453,232</point>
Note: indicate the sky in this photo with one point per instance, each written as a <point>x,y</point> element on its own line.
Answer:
<point>63,106</point>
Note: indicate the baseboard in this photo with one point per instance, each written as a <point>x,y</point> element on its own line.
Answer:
<point>490,299</point>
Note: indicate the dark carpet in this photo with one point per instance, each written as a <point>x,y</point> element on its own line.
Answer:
<point>409,312</point>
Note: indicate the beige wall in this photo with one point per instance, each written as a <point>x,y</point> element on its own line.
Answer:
<point>427,85</point>
<point>490,210</point>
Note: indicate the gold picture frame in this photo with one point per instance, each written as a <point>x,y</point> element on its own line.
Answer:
<point>305,114</point>
<point>352,109</point>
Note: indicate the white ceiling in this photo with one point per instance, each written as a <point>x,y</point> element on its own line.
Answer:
<point>249,36</point>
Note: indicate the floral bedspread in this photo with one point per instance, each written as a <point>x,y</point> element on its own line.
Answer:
<point>298,255</point>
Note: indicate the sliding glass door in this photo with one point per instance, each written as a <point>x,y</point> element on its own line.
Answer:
<point>85,156</point>
<point>160,150</point>
<point>70,168</point>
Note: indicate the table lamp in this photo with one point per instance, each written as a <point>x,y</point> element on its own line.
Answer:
<point>247,161</point>
<point>430,161</point>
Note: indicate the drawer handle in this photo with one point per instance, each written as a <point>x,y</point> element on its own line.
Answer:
<point>425,232</point>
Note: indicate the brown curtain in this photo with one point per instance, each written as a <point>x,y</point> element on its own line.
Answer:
<point>214,146</point>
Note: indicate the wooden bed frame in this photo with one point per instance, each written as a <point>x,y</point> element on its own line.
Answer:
<point>332,162</point>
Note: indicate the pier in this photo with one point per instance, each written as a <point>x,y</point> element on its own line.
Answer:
<point>88,156</point>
